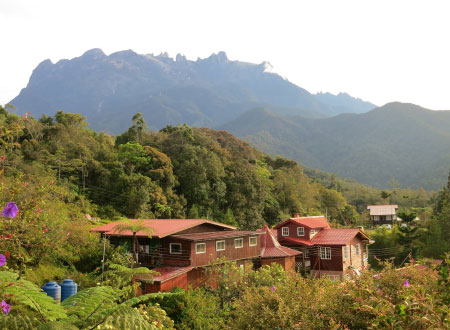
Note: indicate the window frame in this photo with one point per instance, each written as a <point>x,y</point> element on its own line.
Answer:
<point>302,231</point>
<point>196,248</point>
<point>250,241</point>
<point>175,244</point>
<point>358,249</point>
<point>284,231</point>
<point>325,253</point>
<point>221,241</point>
<point>306,253</point>
<point>346,252</point>
<point>242,244</point>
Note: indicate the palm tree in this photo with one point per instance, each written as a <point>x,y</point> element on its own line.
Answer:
<point>134,226</point>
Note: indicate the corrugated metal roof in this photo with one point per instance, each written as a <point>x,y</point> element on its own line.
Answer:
<point>271,248</point>
<point>340,236</point>
<point>165,274</point>
<point>216,235</point>
<point>310,222</point>
<point>296,241</point>
<point>382,209</point>
<point>161,227</point>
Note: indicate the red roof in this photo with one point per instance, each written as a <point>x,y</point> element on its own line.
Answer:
<point>215,235</point>
<point>295,241</point>
<point>270,248</point>
<point>165,273</point>
<point>161,227</point>
<point>310,222</point>
<point>340,236</point>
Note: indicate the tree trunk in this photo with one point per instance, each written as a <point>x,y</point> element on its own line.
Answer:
<point>133,250</point>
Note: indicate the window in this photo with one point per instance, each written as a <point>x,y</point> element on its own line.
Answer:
<point>252,241</point>
<point>325,253</point>
<point>306,253</point>
<point>175,248</point>
<point>312,232</point>
<point>238,243</point>
<point>220,245</point>
<point>285,231</point>
<point>357,251</point>
<point>376,218</point>
<point>389,217</point>
<point>200,248</point>
<point>345,252</point>
<point>300,231</point>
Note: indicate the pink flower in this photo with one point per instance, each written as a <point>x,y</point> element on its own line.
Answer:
<point>10,210</point>
<point>2,260</point>
<point>273,288</point>
<point>5,307</point>
<point>406,284</point>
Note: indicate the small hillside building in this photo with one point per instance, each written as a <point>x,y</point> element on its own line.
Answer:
<point>383,214</point>
<point>336,253</point>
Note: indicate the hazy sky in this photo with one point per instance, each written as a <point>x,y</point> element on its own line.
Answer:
<point>380,51</point>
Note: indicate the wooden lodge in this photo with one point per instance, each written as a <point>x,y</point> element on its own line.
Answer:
<point>180,250</point>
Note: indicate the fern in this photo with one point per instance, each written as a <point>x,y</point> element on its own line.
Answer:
<point>26,293</point>
<point>91,306</point>
<point>17,322</point>
<point>150,296</point>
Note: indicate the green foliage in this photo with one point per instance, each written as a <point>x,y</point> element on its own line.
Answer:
<point>24,293</point>
<point>202,310</point>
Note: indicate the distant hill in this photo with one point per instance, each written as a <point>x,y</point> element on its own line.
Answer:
<point>397,141</point>
<point>109,90</point>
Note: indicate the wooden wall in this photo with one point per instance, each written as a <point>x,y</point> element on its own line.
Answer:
<point>230,252</point>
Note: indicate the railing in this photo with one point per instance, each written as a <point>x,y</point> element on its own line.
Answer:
<point>162,256</point>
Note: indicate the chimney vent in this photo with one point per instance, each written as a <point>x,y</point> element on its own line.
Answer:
<point>296,215</point>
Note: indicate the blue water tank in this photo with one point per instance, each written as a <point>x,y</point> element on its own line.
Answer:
<point>68,288</point>
<point>52,289</point>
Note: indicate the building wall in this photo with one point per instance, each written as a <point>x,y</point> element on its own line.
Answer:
<point>166,258</point>
<point>293,231</point>
<point>357,262</point>
<point>333,264</point>
<point>230,252</point>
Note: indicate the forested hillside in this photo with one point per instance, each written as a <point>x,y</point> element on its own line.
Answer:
<point>400,142</point>
<point>176,172</point>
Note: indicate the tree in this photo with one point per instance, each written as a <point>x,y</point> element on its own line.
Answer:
<point>408,234</point>
<point>133,226</point>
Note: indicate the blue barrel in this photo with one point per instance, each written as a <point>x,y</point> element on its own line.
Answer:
<point>52,289</point>
<point>68,288</point>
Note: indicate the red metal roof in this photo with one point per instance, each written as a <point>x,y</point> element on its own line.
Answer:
<point>295,241</point>
<point>215,235</point>
<point>270,248</point>
<point>310,222</point>
<point>340,236</point>
<point>165,273</point>
<point>161,227</point>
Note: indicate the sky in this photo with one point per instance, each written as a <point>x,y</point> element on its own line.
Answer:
<point>380,51</point>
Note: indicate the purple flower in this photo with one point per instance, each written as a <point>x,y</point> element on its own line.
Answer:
<point>2,260</point>
<point>406,283</point>
<point>5,307</point>
<point>10,210</point>
<point>273,288</point>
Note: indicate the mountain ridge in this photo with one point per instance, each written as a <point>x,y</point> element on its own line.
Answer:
<point>109,89</point>
<point>397,141</point>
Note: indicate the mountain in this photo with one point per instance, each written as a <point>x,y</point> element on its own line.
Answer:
<point>109,90</point>
<point>344,103</point>
<point>397,141</point>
